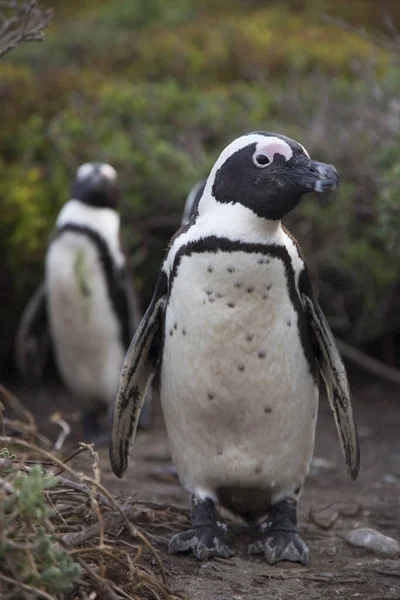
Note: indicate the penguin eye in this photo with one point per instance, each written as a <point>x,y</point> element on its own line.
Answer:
<point>261,160</point>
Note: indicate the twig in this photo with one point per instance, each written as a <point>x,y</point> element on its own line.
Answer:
<point>81,487</point>
<point>110,520</point>
<point>101,584</point>
<point>128,545</point>
<point>385,573</point>
<point>25,24</point>
<point>70,457</point>
<point>17,407</point>
<point>94,502</point>
<point>27,588</point>
<point>28,430</point>
<point>131,528</point>
<point>368,363</point>
<point>65,430</point>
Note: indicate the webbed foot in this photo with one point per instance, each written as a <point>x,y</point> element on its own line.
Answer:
<point>280,540</point>
<point>93,432</point>
<point>206,538</point>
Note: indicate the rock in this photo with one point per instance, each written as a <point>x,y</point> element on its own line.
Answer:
<point>388,478</point>
<point>320,464</point>
<point>371,539</point>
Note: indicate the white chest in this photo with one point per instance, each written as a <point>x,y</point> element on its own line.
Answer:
<point>237,392</point>
<point>84,327</point>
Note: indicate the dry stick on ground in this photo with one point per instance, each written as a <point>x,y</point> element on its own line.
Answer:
<point>7,441</point>
<point>368,363</point>
<point>70,457</point>
<point>27,588</point>
<point>26,424</point>
<point>64,433</point>
<point>23,413</point>
<point>110,520</point>
<point>21,22</point>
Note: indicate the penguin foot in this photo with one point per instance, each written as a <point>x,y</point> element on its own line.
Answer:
<point>206,538</point>
<point>281,545</point>
<point>203,542</point>
<point>92,432</point>
<point>280,540</point>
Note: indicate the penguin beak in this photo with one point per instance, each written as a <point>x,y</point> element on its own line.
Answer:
<point>317,177</point>
<point>327,177</point>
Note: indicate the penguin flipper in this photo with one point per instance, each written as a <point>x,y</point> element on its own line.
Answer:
<point>33,338</point>
<point>192,201</point>
<point>334,374</point>
<point>138,369</point>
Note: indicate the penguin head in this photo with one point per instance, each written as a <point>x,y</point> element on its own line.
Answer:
<point>96,184</point>
<point>268,173</point>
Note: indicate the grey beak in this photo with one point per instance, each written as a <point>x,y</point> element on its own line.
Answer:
<point>327,177</point>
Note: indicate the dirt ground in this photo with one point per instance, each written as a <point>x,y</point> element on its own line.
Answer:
<point>331,506</point>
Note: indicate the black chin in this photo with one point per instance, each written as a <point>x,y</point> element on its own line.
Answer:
<point>277,207</point>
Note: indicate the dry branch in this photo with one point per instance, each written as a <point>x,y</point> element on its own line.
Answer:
<point>21,22</point>
<point>82,513</point>
<point>391,43</point>
<point>111,520</point>
<point>368,363</point>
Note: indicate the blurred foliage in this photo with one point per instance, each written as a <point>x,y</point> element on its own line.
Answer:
<point>26,547</point>
<point>157,89</point>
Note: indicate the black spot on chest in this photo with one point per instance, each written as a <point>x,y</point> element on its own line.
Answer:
<point>215,245</point>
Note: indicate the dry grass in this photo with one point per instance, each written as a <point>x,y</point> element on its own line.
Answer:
<point>100,534</point>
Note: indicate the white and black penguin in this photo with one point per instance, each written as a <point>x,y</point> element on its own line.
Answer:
<point>86,307</point>
<point>240,341</point>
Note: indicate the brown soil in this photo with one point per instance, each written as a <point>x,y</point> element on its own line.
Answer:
<point>331,506</point>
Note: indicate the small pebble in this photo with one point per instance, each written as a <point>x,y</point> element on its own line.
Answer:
<point>321,463</point>
<point>371,539</point>
<point>388,478</point>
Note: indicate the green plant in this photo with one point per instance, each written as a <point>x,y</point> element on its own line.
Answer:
<point>29,552</point>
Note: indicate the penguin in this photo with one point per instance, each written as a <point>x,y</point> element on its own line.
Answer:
<point>192,201</point>
<point>86,308</point>
<point>241,341</point>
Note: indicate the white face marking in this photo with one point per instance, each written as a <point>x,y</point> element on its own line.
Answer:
<point>270,145</point>
<point>268,149</point>
<point>262,143</point>
<point>304,150</point>
<point>86,169</point>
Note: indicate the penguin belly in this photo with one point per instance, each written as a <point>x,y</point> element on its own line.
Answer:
<point>84,328</point>
<point>239,399</point>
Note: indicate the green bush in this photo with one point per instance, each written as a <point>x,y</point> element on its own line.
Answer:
<point>158,91</point>
<point>26,546</point>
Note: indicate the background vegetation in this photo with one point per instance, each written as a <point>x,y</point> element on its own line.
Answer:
<point>158,88</point>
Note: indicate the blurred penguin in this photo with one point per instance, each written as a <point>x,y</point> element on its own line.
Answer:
<point>192,201</point>
<point>86,307</point>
